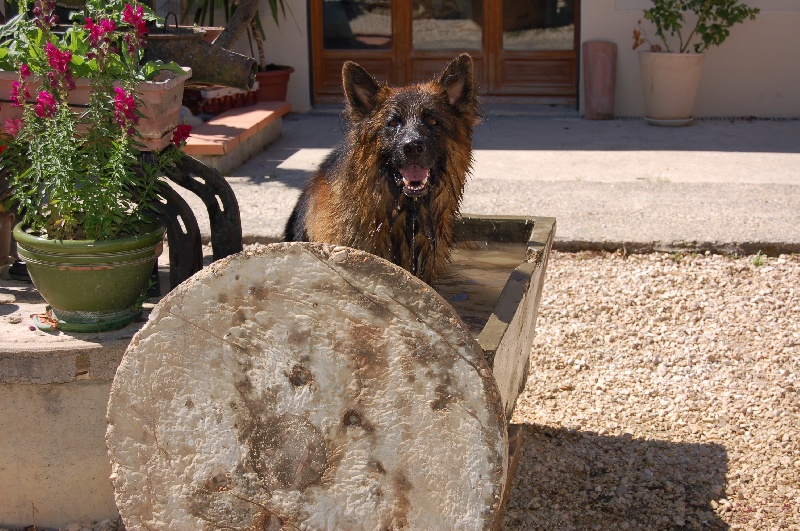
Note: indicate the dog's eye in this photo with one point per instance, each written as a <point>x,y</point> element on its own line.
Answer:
<point>394,122</point>
<point>430,120</point>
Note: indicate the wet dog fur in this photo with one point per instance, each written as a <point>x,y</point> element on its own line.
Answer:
<point>394,185</point>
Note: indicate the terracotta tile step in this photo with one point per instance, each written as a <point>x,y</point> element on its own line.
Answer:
<point>224,133</point>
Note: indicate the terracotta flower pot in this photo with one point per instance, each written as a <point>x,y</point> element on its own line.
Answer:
<point>212,32</point>
<point>670,82</point>
<point>600,75</point>
<point>161,104</point>
<point>272,84</point>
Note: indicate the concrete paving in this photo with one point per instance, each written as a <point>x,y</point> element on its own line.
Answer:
<point>725,185</point>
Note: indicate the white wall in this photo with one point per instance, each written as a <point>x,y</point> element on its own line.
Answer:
<point>287,44</point>
<point>756,72</point>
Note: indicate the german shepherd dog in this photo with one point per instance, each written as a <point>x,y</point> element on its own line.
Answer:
<point>394,184</point>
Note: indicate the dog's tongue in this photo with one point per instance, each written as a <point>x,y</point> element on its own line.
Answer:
<point>414,173</point>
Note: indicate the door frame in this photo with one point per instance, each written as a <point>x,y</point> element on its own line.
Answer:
<point>512,76</point>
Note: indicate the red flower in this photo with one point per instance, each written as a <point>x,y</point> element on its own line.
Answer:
<point>97,32</point>
<point>57,59</point>
<point>108,25</point>
<point>17,99</point>
<point>25,71</point>
<point>180,134</point>
<point>124,108</point>
<point>45,104</point>
<point>136,19</point>
<point>12,126</point>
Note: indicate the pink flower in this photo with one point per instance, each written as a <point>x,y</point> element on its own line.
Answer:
<point>25,71</point>
<point>17,99</point>
<point>124,108</point>
<point>136,19</point>
<point>57,59</point>
<point>45,104</point>
<point>97,32</point>
<point>12,126</point>
<point>108,25</point>
<point>180,134</point>
<point>43,12</point>
<point>133,17</point>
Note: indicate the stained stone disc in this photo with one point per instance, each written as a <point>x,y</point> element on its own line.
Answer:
<point>303,386</point>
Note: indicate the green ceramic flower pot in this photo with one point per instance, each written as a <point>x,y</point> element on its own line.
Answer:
<point>91,285</point>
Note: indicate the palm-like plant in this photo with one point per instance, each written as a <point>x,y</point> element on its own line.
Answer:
<point>205,12</point>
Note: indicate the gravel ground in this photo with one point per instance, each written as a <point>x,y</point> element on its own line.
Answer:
<point>663,394</point>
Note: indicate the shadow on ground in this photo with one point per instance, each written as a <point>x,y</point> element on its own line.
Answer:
<point>570,479</point>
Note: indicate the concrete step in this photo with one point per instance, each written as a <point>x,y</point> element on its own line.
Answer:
<point>231,138</point>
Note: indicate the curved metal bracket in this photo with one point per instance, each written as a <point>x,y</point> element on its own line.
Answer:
<point>183,235</point>
<point>183,232</point>
<point>215,192</point>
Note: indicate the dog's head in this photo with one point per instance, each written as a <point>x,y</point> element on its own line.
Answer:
<point>417,129</point>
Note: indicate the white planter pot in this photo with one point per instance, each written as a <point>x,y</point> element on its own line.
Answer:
<point>670,82</point>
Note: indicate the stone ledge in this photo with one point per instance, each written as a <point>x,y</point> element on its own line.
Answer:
<point>223,134</point>
<point>35,357</point>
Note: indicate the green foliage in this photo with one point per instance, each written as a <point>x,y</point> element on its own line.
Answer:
<point>712,21</point>
<point>152,68</point>
<point>77,172</point>
<point>203,12</point>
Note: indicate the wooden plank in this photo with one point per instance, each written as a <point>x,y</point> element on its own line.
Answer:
<point>508,336</point>
<point>515,440</point>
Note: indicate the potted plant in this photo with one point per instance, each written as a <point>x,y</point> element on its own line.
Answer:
<point>84,189</point>
<point>273,79</point>
<point>672,66</point>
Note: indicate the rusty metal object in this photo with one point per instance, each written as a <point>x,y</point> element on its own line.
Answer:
<point>220,201</point>
<point>183,235</point>
<point>210,63</point>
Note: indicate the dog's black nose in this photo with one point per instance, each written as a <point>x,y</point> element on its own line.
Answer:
<point>414,147</point>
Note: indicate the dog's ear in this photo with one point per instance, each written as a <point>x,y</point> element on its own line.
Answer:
<point>458,83</point>
<point>360,89</point>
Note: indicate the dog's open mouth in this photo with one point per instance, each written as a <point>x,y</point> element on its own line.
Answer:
<point>414,179</point>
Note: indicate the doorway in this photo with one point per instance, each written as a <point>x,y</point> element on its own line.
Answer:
<point>525,51</point>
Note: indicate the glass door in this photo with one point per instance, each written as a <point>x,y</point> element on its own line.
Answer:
<point>535,51</point>
<point>351,30</point>
<point>354,25</point>
<point>524,50</point>
<point>447,25</point>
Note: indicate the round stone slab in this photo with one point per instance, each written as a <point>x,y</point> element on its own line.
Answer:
<point>304,386</point>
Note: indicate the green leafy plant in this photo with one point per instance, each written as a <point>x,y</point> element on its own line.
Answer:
<point>76,171</point>
<point>710,23</point>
